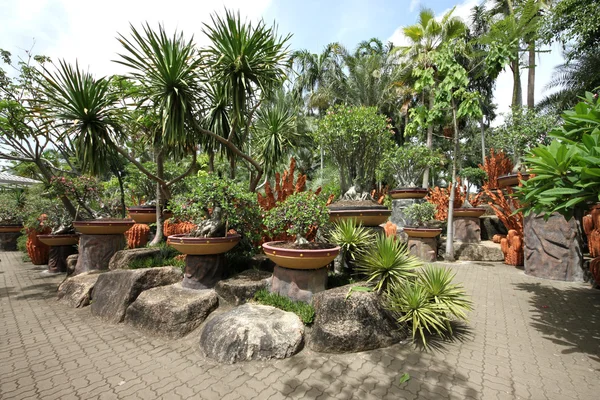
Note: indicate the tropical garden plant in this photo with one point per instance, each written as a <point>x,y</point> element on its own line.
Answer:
<point>353,239</point>
<point>421,214</point>
<point>404,166</point>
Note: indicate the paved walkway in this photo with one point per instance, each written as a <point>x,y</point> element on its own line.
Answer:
<point>527,338</point>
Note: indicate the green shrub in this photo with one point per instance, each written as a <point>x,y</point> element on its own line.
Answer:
<point>421,213</point>
<point>305,311</point>
<point>387,263</point>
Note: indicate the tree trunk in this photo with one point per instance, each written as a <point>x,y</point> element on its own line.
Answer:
<point>482,140</point>
<point>429,141</point>
<point>531,77</point>
<point>121,193</point>
<point>449,256</point>
<point>517,96</point>
<point>211,161</point>
<point>160,173</point>
<point>232,167</point>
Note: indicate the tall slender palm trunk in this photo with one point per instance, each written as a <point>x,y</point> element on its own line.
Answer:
<point>429,141</point>
<point>449,255</point>
<point>531,76</point>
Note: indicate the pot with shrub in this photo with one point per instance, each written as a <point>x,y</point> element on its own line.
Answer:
<point>224,214</point>
<point>423,220</point>
<point>300,265</point>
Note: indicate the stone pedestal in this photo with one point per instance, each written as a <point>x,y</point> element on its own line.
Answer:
<point>57,263</point>
<point>424,248</point>
<point>8,241</point>
<point>95,251</point>
<point>203,271</point>
<point>298,284</point>
<point>398,206</point>
<point>553,248</point>
<point>467,229</point>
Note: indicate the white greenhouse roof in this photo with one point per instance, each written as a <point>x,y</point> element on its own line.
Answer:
<point>8,179</point>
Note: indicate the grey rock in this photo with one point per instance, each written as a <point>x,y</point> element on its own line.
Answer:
<point>71,263</point>
<point>122,258</point>
<point>553,248</point>
<point>116,290</point>
<point>350,324</point>
<point>252,332</point>
<point>490,226</point>
<point>76,291</point>
<point>95,251</point>
<point>467,230</point>
<point>242,287</point>
<point>424,248</point>
<point>171,311</point>
<point>485,250</point>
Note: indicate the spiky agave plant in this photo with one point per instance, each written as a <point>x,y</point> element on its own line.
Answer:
<point>388,263</point>
<point>353,238</point>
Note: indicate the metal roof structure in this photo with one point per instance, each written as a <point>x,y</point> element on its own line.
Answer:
<point>8,179</point>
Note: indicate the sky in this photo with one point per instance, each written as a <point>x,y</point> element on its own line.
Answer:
<point>86,31</point>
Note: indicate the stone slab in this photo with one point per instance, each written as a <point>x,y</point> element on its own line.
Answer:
<point>242,287</point>
<point>76,291</point>
<point>122,258</point>
<point>486,250</point>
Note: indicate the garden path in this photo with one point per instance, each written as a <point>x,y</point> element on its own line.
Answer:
<point>527,338</point>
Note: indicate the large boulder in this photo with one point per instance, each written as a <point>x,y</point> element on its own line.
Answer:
<point>122,258</point>
<point>351,323</point>
<point>242,287</point>
<point>553,248</point>
<point>486,250</point>
<point>116,290</point>
<point>76,291</point>
<point>252,332</point>
<point>171,311</point>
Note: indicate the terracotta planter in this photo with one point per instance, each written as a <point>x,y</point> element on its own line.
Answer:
<point>422,232</point>
<point>511,180</point>
<point>59,240</point>
<point>108,226</point>
<point>11,228</point>
<point>474,212</point>
<point>38,252</point>
<point>300,258</point>
<point>145,215</point>
<point>373,216</point>
<point>408,193</point>
<point>203,246</point>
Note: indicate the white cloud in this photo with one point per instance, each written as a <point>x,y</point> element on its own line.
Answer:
<point>413,5</point>
<point>87,31</point>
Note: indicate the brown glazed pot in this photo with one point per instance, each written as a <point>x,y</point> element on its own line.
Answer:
<point>203,246</point>
<point>511,180</point>
<point>422,232</point>
<point>474,212</point>
<point>408,193</point>
<point>300,258</point>
<point>107,226</point>
<point>59,240</point>
<point>367,216</point>
<point>145,215</point>
<point>11,228</point>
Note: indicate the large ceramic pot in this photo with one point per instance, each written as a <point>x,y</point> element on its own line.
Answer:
<point>11,228</point>
<point>145,214</point>
<point>408,193</point>
<point>511,180</point>
<point>473,212</point>
<point>422,232</point>
<point>203,246</point>
<point>299,258</point>
<point>367,216</point>
<point>106,226</point>
<point>59,240</point>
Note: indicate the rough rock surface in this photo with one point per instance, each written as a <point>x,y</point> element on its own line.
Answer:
<point>490,226</point>
<point>203,271</point>
<point>57,261</point>
<point>242,287</point>
<point>357,323</point>
<point>553,248</point>
<point>486,250</point>
<point>71,263</point>
<point>467,230</point>
<point>76,291</point>
<point>116,290</point>
<point>398,206</point>
<point>252,332</point>
<point>171,311</point>
<point>122,258</point>
<point>8,241</point>
<point>95,251</point>
<point>424,248</point>
<point>298,284</point>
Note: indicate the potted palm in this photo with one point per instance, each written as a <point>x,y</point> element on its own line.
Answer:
<point>424,223</point>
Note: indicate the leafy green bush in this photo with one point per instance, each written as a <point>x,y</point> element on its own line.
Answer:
<point>404,166</point>
<point>11,206</point>
<point>420,213</point>
<point>387,263</point>
<point>297,215</point>
<point>305,311</point>
<point>473,175</point>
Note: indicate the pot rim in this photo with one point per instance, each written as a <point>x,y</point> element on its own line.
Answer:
<point>200,240</point>
<point>296,252</point>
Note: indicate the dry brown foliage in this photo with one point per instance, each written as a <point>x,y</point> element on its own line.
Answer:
<point>496,165</point>
<point>137,236</point>
<point>591,226</point>
<point>441,198</point>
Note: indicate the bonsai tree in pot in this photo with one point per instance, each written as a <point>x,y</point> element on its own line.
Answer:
<point>11,210</point>
<point>422,218</point>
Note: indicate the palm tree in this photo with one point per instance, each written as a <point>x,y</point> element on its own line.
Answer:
<point>425,37</point>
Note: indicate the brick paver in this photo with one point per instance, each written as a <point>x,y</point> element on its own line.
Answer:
<point>526,339</point>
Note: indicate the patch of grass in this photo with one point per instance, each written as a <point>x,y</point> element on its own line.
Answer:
<point>305,311</point>
<point>156,262</point>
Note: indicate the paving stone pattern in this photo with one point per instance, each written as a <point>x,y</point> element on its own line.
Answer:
<point>527,339</point>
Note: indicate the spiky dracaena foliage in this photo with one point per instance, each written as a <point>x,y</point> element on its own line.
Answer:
<point>353,238</point>
<point>387,263</point>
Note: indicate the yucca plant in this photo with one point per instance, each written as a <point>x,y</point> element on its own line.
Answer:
<point>353,238</point>
<point>438,282</point>
<point>387,263</point>
<point>412,301</point>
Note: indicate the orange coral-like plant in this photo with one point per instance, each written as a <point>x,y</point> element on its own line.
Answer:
<point>591,226</point>
<point>390,229</point>
<point>137,236</point>
<point>512,248</point>
<point>496,165</point>
<point>171,227</point>
<point>441,198</point>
